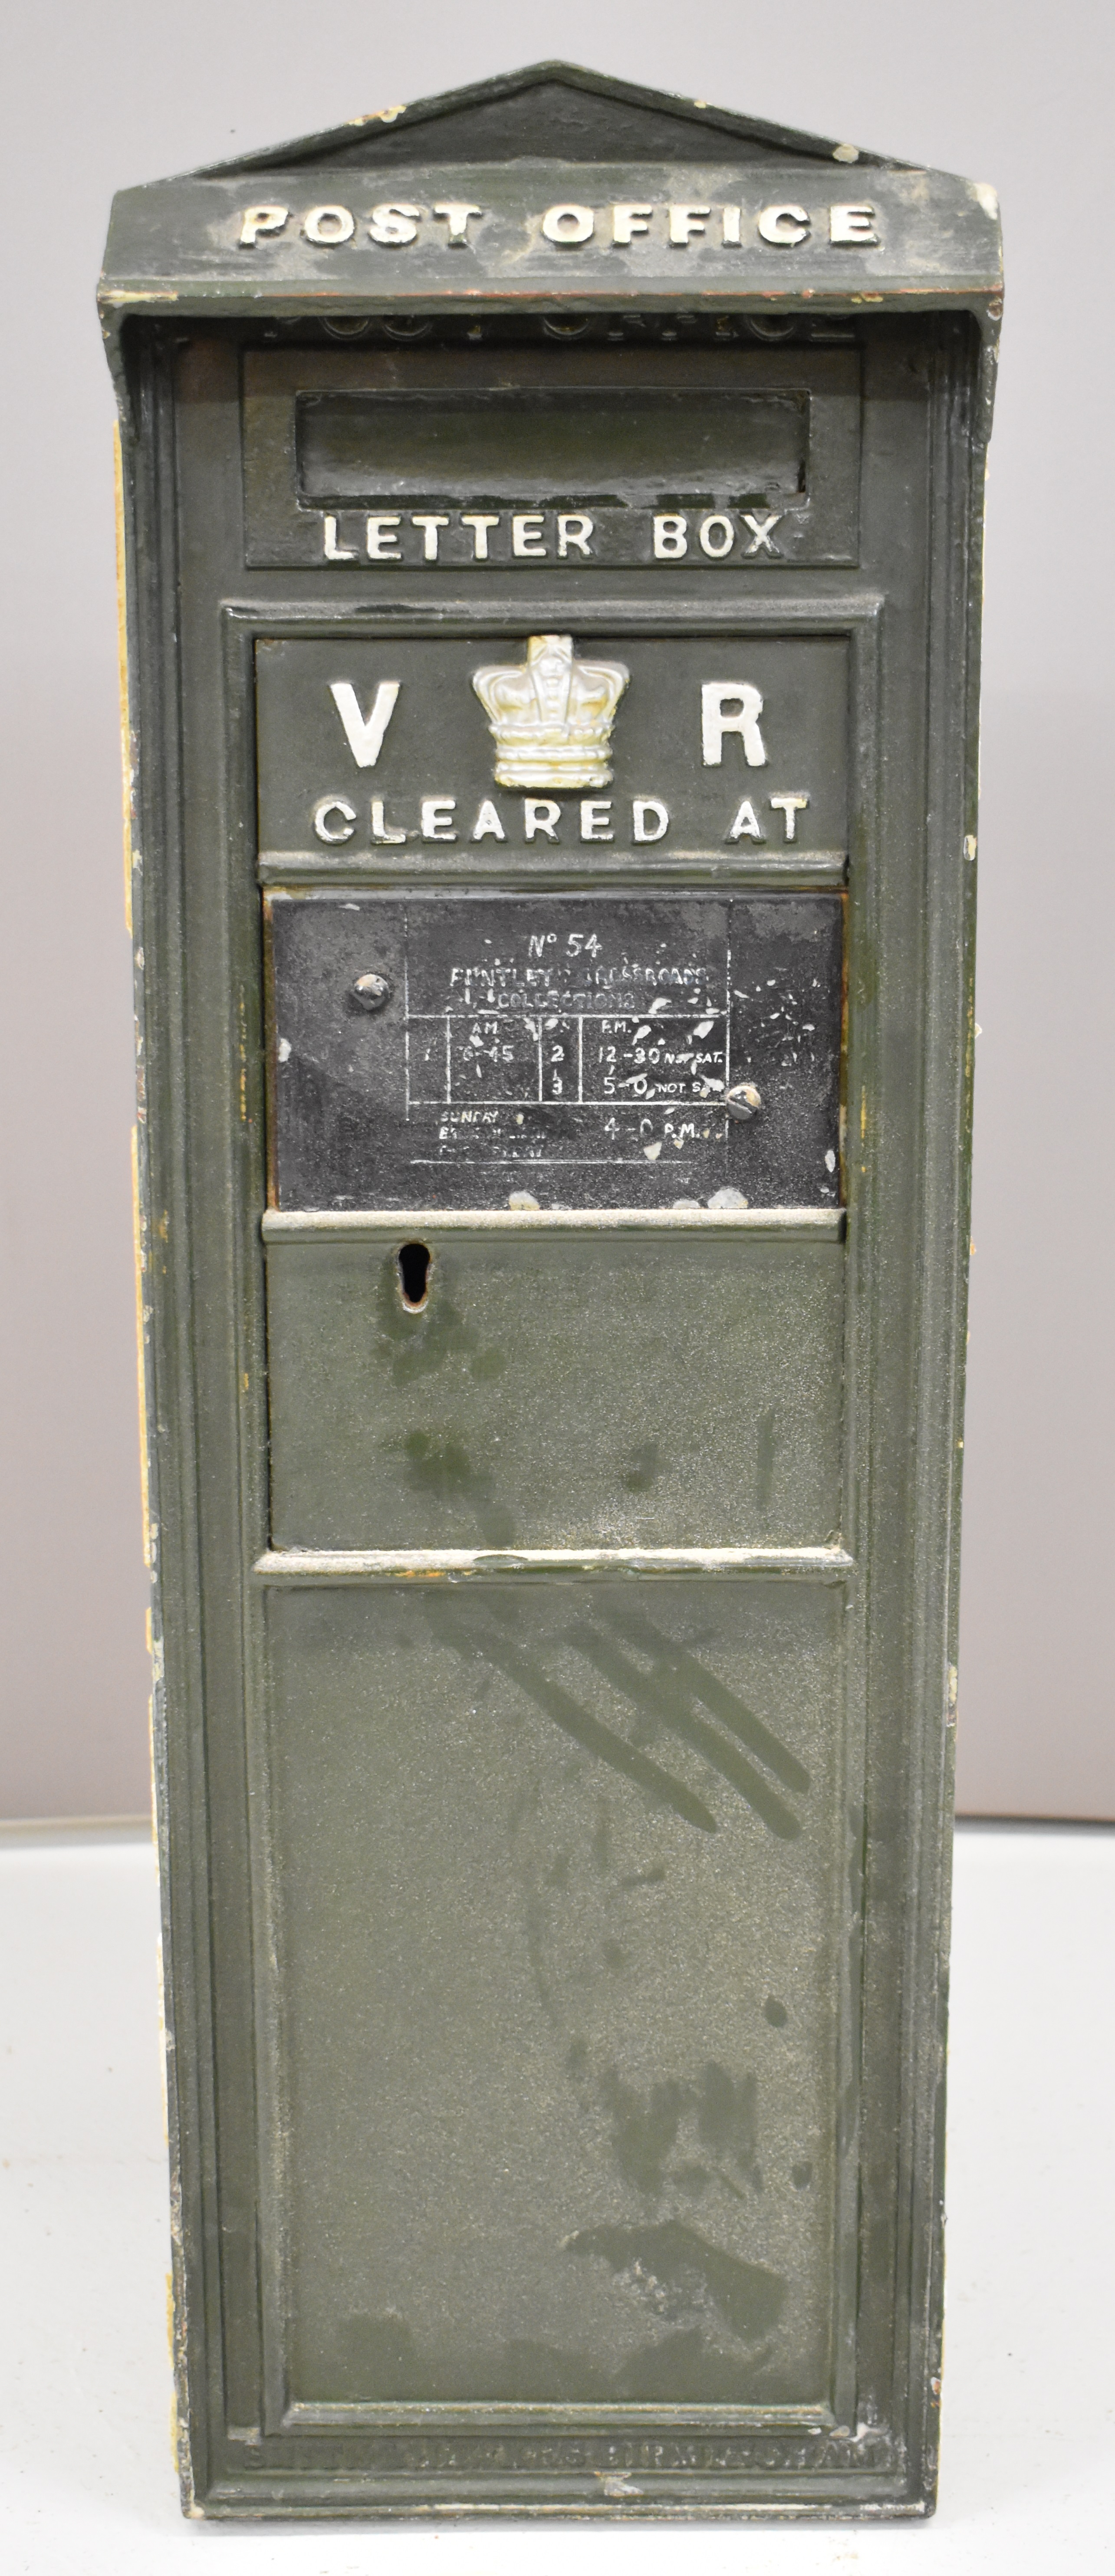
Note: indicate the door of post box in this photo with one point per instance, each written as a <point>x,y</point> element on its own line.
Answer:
<point>554,683</point>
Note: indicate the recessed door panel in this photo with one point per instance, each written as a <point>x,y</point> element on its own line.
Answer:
<point>554,1389</point>
<point>560,1885</point>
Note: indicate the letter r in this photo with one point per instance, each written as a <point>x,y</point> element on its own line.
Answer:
<point>731,706</point>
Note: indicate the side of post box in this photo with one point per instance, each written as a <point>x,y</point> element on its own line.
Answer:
<point>306,875</point>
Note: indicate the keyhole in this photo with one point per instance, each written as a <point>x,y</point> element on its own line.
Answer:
<point>414,1274</point>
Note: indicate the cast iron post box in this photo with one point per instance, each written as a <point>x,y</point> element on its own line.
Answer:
<point>552,533</point>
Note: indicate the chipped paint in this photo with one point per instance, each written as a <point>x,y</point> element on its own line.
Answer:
<point>360,1565</point>
<point>171,2340</point>
<point>282,1223</point>
<point>179,2426</point>
<point>141,1343</point>
<point>128,762</point>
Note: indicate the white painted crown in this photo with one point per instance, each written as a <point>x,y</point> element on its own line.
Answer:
<point>551,715</point>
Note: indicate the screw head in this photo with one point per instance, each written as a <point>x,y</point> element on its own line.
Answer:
<point>743,1100</point>
<point>371,991</point>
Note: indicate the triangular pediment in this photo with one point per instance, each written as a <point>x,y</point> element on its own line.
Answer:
<point>548,112</point>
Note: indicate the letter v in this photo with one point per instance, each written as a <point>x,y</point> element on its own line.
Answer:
<point>364,736</point>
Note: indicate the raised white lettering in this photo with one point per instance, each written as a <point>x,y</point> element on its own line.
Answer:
<point>540,814</point>
<point>686,223</point>
<point>526,535</point>
<point>479,524</point>
<point>380,539</point>
<point>329,224</point>
<point>382,831</point>
<point>789,807</point>
<point>487,825</point>
<point>334,805</point>
<point>670,539</point>
<point>745,825</point>
<point>649,818</point>
<point>629,220</point>
<point>429,522</point>
<point>761,527</point>
<point>333,552</point>
<point>568,225</point>
<point>364,734</point>
<point>392,225</point>
<point>717,536</point>
<point>853,227</point>
<point>573,529</point>
<point>731,706</point>
<point>457,219</point>
<point>596,817</point>
<point>437,818</point>
<point>782,226</point>
<point>730,225</point>
<point>262,220</point>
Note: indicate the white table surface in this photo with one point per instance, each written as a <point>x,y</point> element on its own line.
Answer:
<point>1028,2474</point>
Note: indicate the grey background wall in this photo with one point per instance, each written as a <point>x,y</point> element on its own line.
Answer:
<point>97,98</point>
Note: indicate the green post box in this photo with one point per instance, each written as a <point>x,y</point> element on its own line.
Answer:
<point>553,543</point>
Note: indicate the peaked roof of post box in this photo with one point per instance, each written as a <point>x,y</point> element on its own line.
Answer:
<point>548,112</point>
<point>514,147</point>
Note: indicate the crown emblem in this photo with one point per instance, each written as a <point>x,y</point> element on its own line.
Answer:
<point>551,715</point>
